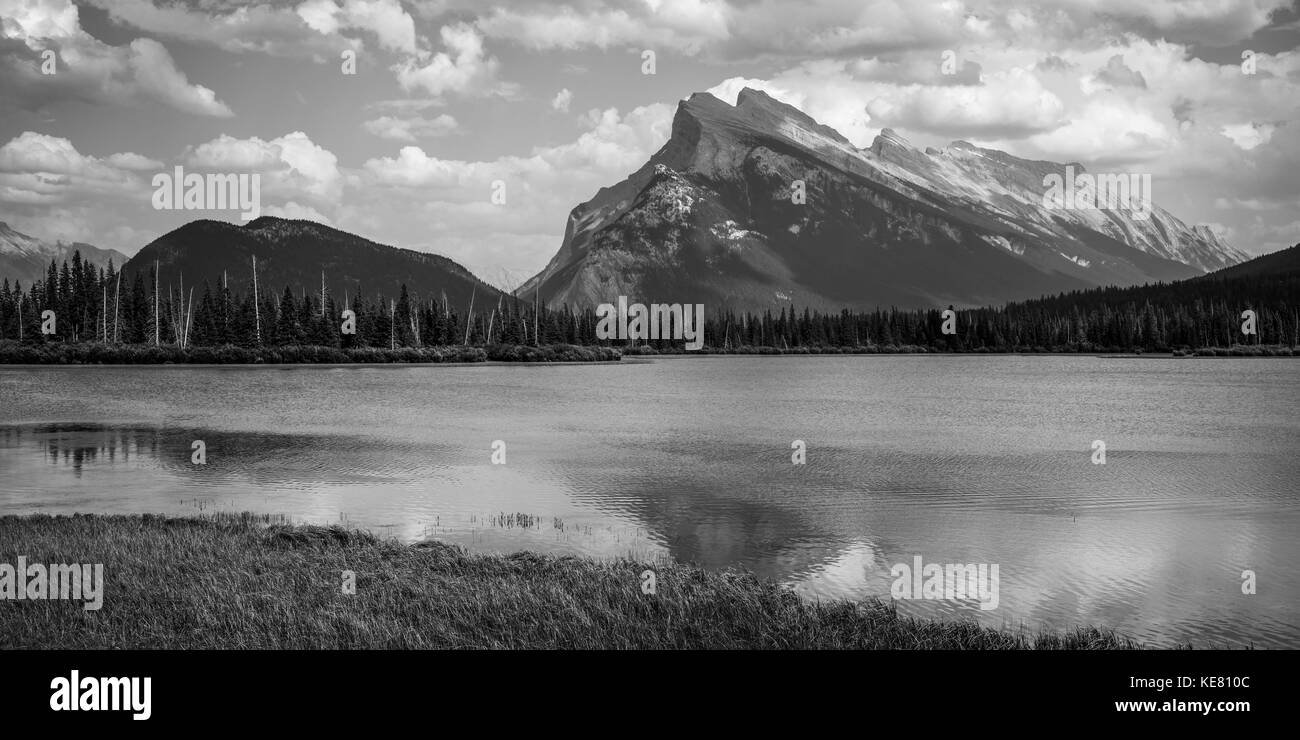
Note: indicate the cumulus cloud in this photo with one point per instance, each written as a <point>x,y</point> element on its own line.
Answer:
<point>320,29</point>
<point>425,200</point>
<point>291,165</point>
<point>1248,135</point>
<point>40,169</point>
<point>1108,132</point>
<point>722,28</point>
<point>1104,82</point>
<point>26,20</point>
<point>1117,74</point>
<point>89,69</point>
<point>386,19</point>
<point>462,67</point>
<point>858,103</point>
<point>762,30</point>
<point>561,100</point>
<point>1010,103</point>
<point>266,28</point>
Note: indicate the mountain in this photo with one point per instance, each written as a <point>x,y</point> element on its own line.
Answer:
<point>1200,311</point>
<point>25,258</point>
<point>710,218</point>
<point>293,253</point>
<point>1276,264</point>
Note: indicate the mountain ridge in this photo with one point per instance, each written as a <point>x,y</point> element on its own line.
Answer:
<point>293,253</point>
<point>710,217</point>
<point>24,259</point>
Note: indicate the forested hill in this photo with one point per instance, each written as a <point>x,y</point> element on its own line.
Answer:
<point>297,255</point>
<point>1197,312</point>
<point>1268,279</point>
<point>1281,264</point>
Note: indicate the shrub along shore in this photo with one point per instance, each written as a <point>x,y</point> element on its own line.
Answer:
<point>246,581</point>
<point>1236,350</point>
<point>97,353</point>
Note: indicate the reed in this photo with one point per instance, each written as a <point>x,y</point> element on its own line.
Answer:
<point>249,581</point>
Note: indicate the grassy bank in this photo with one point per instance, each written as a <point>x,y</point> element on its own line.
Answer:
<point>241,582</point>
<point>96,353</point>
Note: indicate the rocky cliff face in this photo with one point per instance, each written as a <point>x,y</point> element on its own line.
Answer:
<point>711,218</point>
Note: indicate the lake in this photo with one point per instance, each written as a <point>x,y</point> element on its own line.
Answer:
<point>956,459</point>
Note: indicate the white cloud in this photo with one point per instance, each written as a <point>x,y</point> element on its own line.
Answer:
<point>856,101</point>
<point>297,211</point>
<point>462,68</point>
<point>1248,135</point>
<point>561,100</point>
<point>411,128</point>
<point>89,69</point>
<point>321,16</point>
<point>1249,204</point>
<point>40,169</point>
<point>390,23</point>
<point>420,199</point>
<point>276,29</point>
<point>43,19</point>
<point>292,165</point>
<point>311,28</point>
<point>1123,88</point>
<point>133,161</point>
<point>228,153</point>
<point>810,28</point>
<point>1008,103</point>
<point>665,24</point>
<point>734,30</point>
<point>154,74</point>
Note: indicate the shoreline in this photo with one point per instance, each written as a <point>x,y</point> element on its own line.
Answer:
<point>104,355</point>
<point>249,582</point>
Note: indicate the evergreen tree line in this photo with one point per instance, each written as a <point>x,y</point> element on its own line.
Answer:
<point>104,305</point>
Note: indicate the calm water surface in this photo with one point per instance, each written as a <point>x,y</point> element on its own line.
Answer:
<point>956,459</point>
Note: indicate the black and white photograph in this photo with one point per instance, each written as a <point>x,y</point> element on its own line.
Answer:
<point>621,326</point>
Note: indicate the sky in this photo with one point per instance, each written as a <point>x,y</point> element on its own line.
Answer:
<point>542,103</point>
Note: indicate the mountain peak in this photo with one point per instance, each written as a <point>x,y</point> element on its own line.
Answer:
<point>25,258</point>
<point>888,139</point>
<point>263,221</point>
<point>750,97</point>
<point>713,215</point>
<point>755,114</point>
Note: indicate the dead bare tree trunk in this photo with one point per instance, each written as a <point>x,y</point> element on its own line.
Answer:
<point>257,312</point>
<point>155,303</point>
<point>117,303</point>
<point>469,320</point>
